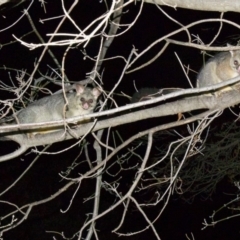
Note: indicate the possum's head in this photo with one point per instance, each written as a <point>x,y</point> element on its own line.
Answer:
<point>235,61</point>
<point>87,97</point>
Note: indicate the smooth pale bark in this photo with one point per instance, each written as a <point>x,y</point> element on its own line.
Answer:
<point>204,5</point>
<point>14,2</point>
<point>3,1</point>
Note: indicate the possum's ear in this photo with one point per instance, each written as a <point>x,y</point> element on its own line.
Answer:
<point>79,88</point>
<point>96,92</point>
<point>231,51</point>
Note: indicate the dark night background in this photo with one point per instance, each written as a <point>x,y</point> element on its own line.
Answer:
<point>180,217</point>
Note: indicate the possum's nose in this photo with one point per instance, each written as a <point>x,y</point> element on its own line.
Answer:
<point>85,106</point>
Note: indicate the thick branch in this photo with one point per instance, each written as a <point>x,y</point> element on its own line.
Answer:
<point>226,99</point>
<point>209,5</point>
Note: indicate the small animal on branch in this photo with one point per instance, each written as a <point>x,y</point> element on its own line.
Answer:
<point>145,94</point>
<point>223,66</point>
<point>51,108</point>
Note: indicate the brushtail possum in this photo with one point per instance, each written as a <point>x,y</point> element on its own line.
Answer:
<point>51,108</point>
<point>223,66</point>
<point>145,94</point>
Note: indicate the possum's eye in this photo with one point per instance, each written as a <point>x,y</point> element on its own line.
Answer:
<point>90,101</point>
<point>236,63</point>
<point>82,99</point>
